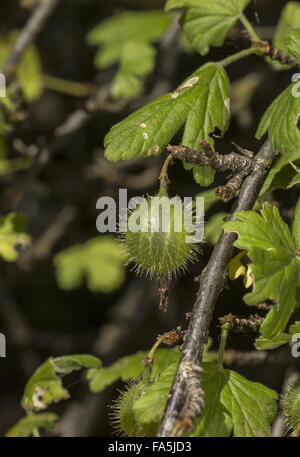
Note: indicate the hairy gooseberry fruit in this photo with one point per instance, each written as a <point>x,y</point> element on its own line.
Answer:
<point>157,240</point>
<point>123,417</point>
<point>291,409</point>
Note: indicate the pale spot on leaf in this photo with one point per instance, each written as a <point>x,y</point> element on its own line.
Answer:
<point>227,103</point>
<point>190,83</point>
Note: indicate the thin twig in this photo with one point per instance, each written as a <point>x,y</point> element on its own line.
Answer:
<point>249,28</point>
<point>27,36</point>
<point>163,177</point>
<point>240,164</point>
<point>276,54</point>
<point>237,324</point>
<point>211,285</point>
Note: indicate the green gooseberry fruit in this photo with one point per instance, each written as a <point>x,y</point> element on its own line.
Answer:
<point>123,417</point>
<point>157,241</point>
<point>291,410</point>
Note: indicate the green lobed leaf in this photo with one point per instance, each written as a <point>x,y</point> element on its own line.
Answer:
<point>235,404</point>
<point>126,420</point>
<point>130,367</point>
<point>26,426</point>
<point>295,180</point>
<point>137,60</point>
<point>231,403</point>
<point>289,19</point>
<point>29,69</point>
<point>201,102</point>
<point>68,363</point>
<point>139,26</point>
<point>295,328</point>
<point>108,55</point>
<point>127,39</point>
<point>282,175</point>
<point>184,44</point>
<point>29,73</point>
<point>13,238</point>
<point>215,420</point>
<point>280,121</point>
<point>100,261</point>
<point>204,176</point>
<point>211,110</point>
<point>150,407</point>
<point>275,264</point>
<point>293,41</point>
<point>126,86</point>
<point>263,344</point>
<point>283,338</point>
<point>251,405</point>
<point>207,22</point>
<point>45,386</point>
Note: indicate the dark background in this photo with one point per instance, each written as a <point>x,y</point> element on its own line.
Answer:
<point>37,317</point>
